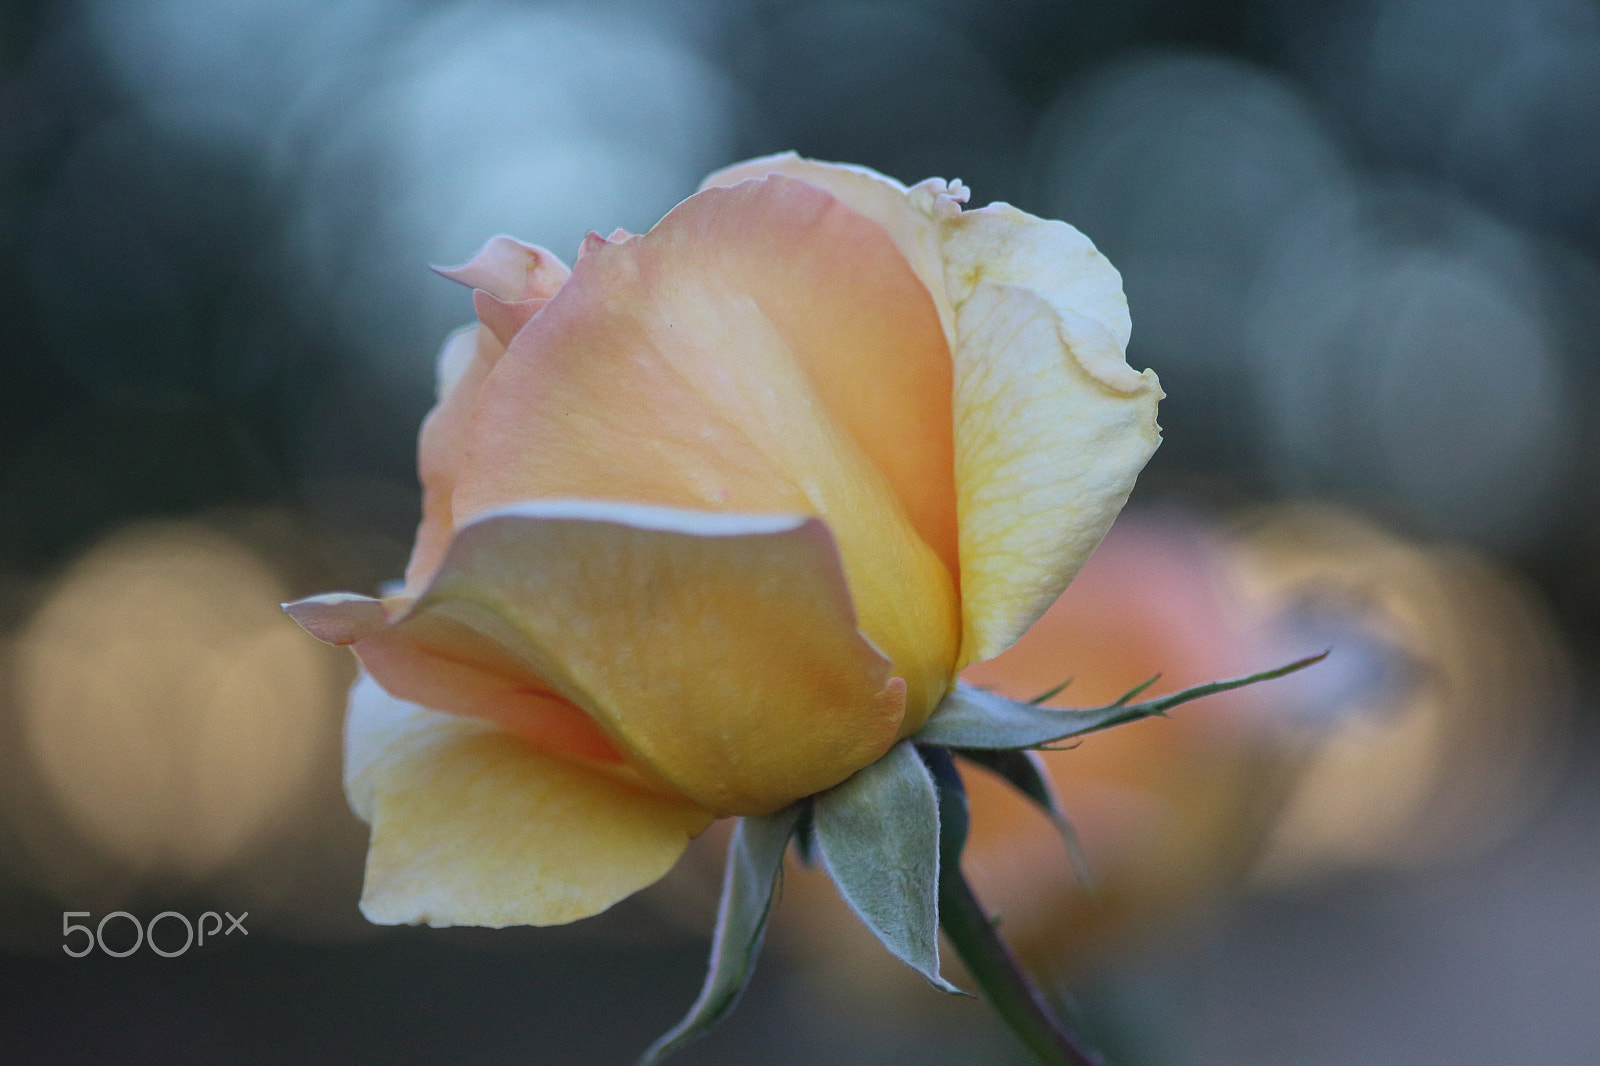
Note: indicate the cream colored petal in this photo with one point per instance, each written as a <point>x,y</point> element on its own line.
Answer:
<point>720,651</point>
<point>472,827</point>
<point>1052,425</point>
<point>1002,244</point>
<point>1046,454</point>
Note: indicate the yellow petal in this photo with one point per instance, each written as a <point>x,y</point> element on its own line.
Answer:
<point>1047,454</point>
<point>472,827</point>
<point>1052,426</point>
<point>762,350</point>
<point>1002,244</point>
<point>719,651</point>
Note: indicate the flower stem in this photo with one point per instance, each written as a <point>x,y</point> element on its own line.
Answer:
<point>1005,983</point>
<point>1007,986</point>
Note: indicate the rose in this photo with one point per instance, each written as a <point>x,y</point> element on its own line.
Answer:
<point>716,519</point>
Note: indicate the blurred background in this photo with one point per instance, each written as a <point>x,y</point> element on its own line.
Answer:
<point>1361,244</point>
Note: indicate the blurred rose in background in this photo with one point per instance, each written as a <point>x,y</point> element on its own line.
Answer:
<point>1432,730</point>
<point>1359,243</point>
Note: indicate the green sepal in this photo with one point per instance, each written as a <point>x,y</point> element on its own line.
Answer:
<point>973,718</point>
<point>1024,770</point>
<point>755,859</point>
<point>805,837</point>
<point>877,835</point>
<point>952,797</point>
<point>976,938</point>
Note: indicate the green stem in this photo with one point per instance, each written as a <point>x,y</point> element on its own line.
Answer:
<point>1005,983</point>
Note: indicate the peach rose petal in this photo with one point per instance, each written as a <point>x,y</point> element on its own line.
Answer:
<point>719,651</point>
<point>906,215</point>
<point>513,281</point>
<point>464,364</point>
<point>504,318</point>
<point>510,270</point>
<point>438,662</point>
<point>338,618</point>
<point>472,827</point>
<point>835,401</point>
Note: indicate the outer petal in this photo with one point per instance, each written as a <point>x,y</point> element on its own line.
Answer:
<point>464,363</point>
<point>435,661</point>
<point>472,827</point>
<point>905,214</point>
<point>719,652</point>
<point>1051,424</point>
<point>1047,455</point>
<point>762,350</point>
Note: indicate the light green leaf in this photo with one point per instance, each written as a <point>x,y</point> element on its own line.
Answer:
<point>973,718</point>
<point>755,857</point>
<point>878,837</point>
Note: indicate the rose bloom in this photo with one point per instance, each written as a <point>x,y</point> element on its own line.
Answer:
<point>715,518</point>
